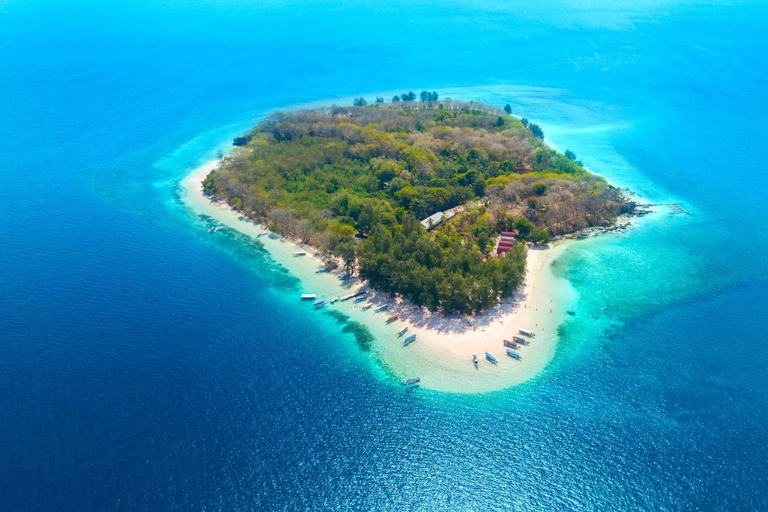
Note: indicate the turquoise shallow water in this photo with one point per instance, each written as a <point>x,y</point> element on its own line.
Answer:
<point>139,371</point>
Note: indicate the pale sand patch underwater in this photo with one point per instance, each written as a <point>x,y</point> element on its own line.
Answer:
<point>441,356</point>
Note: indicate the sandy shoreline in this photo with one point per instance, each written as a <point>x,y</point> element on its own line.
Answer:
<point>441,356</point>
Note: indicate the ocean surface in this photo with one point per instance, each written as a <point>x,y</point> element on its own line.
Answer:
<point>148,365</point>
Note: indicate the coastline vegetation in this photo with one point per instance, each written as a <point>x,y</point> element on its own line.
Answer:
<point>355,182</point>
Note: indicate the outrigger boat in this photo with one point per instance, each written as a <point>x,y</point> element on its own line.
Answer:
<point>319,303</point>
<point>383,307</point>
<point>321,270</point>
<point>474,360</point>
<point>411,382</point>
<point>345,277</point>
<point>402,331</point>
<point>299,253</point>
<point>262,234</point>
<point>520,340</point>
<point>334,300</point>
<point>367,306</point>
<point>410,339</point>
<point>490,358</point>
<point>213,229</point>
<point>526,332</point>
<point>308,296</point>
<point>352,296</point>
<point>358,300</point>
<point>392,318</point>
<point>512,353</point>
<point>509,344</point>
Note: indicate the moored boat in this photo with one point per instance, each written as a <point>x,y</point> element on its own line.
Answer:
<point>358,300</point>
<point>474,360</point>
<point>510,344</point>
<point>402,331</point>
<point>392,318</point>
<point>520,340</point>
<point>367,306</point>
<point>410,339</point>
<point>526,332</point>
<point>321,270</point>
<point>308,296</point>
<point>383,307</point>
<point>411,382</point>
<point>299,253</point>
<point>490,358</point>
<point>345,277</point>
<point>320,303</point>
<point>512,353</point>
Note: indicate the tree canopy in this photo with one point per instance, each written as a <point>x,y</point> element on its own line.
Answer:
<point>355,182</point>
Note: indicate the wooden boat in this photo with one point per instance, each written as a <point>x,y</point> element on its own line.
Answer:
<point>513,354</point>
<point>358,300</point>
<point>321,270</point>
<point>410,339</point>
<point>383,307</point>
<point>392,318</point>
<point>490,358</point>
<point>345,277</point>
<point>411,382</point>
<point>334,300</point>
<point>526,332</point>
<point>308,296</point>
<point>520,340</point>
<point>402,331</point>
<point>299,253</point>
<point>319,303</point>
<point>474,360</point>
<point>510,344</point>
<point>367,306</point>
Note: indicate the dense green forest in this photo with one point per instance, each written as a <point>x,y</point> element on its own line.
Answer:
<point>356,181</point>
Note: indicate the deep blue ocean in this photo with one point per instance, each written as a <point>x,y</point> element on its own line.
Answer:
<point>147,365</point>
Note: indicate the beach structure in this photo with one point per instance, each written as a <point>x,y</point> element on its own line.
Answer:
<point>436,218</point>
<point>505,243</point>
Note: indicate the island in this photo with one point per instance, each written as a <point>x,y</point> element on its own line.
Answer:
<point>435,211</point>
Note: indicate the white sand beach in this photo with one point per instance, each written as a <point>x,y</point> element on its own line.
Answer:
<point>441,356</point>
